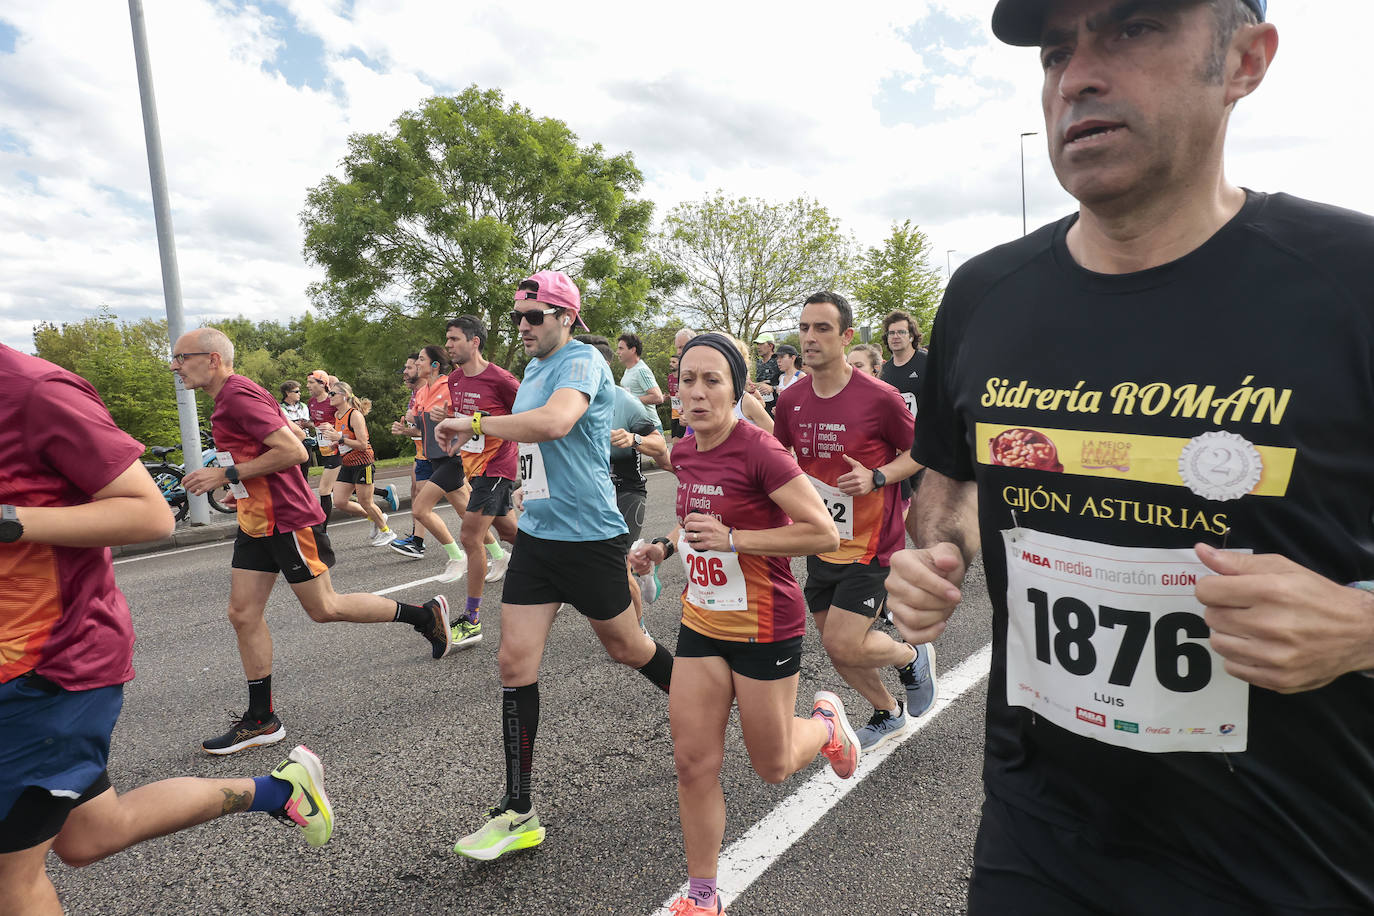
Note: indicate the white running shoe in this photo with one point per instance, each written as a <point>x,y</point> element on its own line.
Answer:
<point>455,569</point>
<point>496,569</point>
<point>383,538</point>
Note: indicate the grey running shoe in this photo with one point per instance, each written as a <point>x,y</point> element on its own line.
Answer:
<point>881,727</point>
<point>438,633</point>
<point>247,732</point>
<point>918,677</point>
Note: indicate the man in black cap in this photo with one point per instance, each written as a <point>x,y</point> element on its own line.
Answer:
<point>1178,718</point>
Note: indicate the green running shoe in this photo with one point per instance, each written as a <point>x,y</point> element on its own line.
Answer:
<point>466,633</point>
<point>309,807</point>
<point>504,831</point>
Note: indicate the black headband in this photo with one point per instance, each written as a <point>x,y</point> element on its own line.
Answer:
<point>725,346</point>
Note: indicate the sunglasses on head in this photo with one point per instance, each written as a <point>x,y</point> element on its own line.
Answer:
<point>535,317</point>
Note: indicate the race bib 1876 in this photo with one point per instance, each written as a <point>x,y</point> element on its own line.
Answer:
<point>1110,643</point>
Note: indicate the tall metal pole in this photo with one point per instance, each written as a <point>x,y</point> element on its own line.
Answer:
<point>1029,133</point>
<point>949,273</point>
<point>166,247</point>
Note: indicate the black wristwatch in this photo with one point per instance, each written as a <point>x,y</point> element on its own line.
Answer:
<point>639,440</point>
<point>231,474</point>
<point>11,529</point>
<point>668,548</point>
<point>879,481</point>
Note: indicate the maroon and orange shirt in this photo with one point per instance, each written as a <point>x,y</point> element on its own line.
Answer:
<point>868,421</point>
<point>731,482</point>
<point>60,611</point>
<point>323,412</point>
<point>491,391</point>
<point>277,503</point>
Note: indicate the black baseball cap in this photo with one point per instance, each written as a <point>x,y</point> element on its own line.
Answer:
<point>1020,22</point>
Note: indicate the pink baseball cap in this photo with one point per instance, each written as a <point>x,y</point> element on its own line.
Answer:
<point>554,288</point>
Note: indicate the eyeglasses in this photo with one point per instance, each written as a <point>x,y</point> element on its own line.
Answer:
<point>534,316</point>
<point>333,394</point>
<point>896,333</point>
<point>179,358</point>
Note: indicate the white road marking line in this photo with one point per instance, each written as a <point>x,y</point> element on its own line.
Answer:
<point>743,861</point>
<point>397,588</point>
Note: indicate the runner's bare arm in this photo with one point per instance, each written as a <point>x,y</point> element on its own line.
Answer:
<point>923,584</point>
<point>754,410</point>
<point>652,396</point>
<point>812,530</point>
<point>543,424</point>
<point>129,510</point>
<point>859,479</point>
<point>1282,626</point>
<point>284,450</point>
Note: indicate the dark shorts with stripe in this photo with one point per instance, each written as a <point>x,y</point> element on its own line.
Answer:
<point>761,661</point>
<point>298,555</point>
<point>491,496</point>
<point>54,746</point>
<point>857,587</point>
<point>356,473</point>
<point>330,461</point>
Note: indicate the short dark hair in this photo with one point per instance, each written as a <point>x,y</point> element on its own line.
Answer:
<point>472,328</point>
<point>602,346</point>
<point>897,315</point>
<point>1228,16</point>
<point>633,342</point>
<point>436,354</point>
<point>288,387</point>
<point>840,303</point>
<point>414,356</point>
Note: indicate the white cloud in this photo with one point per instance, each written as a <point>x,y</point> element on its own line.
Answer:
<point>746,97</point>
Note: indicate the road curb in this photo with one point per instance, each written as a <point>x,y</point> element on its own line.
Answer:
<point>209,534</point>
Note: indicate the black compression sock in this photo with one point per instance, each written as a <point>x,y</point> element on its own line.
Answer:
<point>659,669</point>
<point>519,724</point>
<point>327,504</point>
<point>417,617</point>
<point>260,698</point>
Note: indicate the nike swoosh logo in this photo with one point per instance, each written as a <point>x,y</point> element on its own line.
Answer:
<point>783,661</point>
<point>314,808</point>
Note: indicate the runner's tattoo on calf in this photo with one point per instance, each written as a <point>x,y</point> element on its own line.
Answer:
<point>235,801</point>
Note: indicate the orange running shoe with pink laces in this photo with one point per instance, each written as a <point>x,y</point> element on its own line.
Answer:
<point>843,749</point>
<point>686,906</point>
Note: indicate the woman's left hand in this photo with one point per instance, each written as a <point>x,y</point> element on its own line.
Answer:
<point>705,532</point>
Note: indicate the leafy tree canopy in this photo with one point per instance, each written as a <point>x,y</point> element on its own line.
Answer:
<point>745,264</point>
<point>897,275</point>
<point>462,199</point>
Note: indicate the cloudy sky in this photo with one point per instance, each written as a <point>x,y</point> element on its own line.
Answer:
<point>881,110</point>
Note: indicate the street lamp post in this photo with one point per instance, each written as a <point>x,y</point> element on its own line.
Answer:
<point>1024,135</point>
<point>948,272</point>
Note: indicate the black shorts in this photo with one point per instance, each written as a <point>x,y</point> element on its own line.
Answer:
<point>37,816</point>
<point>589,575</point>
<point>447,473</point>
<point>1024,865</point>
<point>298,555</point>
<point>761,661</point>
<point>356,473</point>
<point>677,429</point>
<point>491,496</point>
<point>331,461</point>
<point>631,502</point>
<point>857,587</point>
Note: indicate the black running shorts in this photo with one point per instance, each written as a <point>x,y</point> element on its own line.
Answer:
<point>631,502</point>
<point>298,555</point>
<point>857,587</point>
<point>356,474</point>
<point>330,461</point>
<point>589,575</point>
<point>447,474</point>
<point>491,496</point>
<point>760,661</point>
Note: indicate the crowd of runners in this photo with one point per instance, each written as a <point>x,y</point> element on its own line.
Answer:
<point>1178,713</point>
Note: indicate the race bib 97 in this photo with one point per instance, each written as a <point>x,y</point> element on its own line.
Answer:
<point>1110,643</point>
<point>532,476</point>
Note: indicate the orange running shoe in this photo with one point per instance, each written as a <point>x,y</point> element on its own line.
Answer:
<point>843,749</point>
<point>686,906</point>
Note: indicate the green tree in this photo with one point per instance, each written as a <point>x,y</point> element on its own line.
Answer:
<point>745,264</point>
<point>897,275</point>
<point>460,200</point>
<point>127,364</point>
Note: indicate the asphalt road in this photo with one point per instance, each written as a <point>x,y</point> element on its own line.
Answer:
<point>413,758</point>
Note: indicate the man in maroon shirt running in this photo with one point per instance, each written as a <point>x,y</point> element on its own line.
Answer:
<point>280,531</point>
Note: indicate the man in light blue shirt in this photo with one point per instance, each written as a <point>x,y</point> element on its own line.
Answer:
<point>572,541</point>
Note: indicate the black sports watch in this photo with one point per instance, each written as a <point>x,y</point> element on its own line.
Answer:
<point>639,440</point>
<point>879,481</point>
<point>231,474</point>
<point>11,529</point>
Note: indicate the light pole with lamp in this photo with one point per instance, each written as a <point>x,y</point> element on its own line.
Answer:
<point>1024,135</point>
<point>948,272</point>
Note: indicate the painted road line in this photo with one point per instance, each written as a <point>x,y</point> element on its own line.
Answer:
<point>744,860</point>
<point>404,585</point>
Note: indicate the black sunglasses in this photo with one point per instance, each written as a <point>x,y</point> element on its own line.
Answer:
<point>534,316</point>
